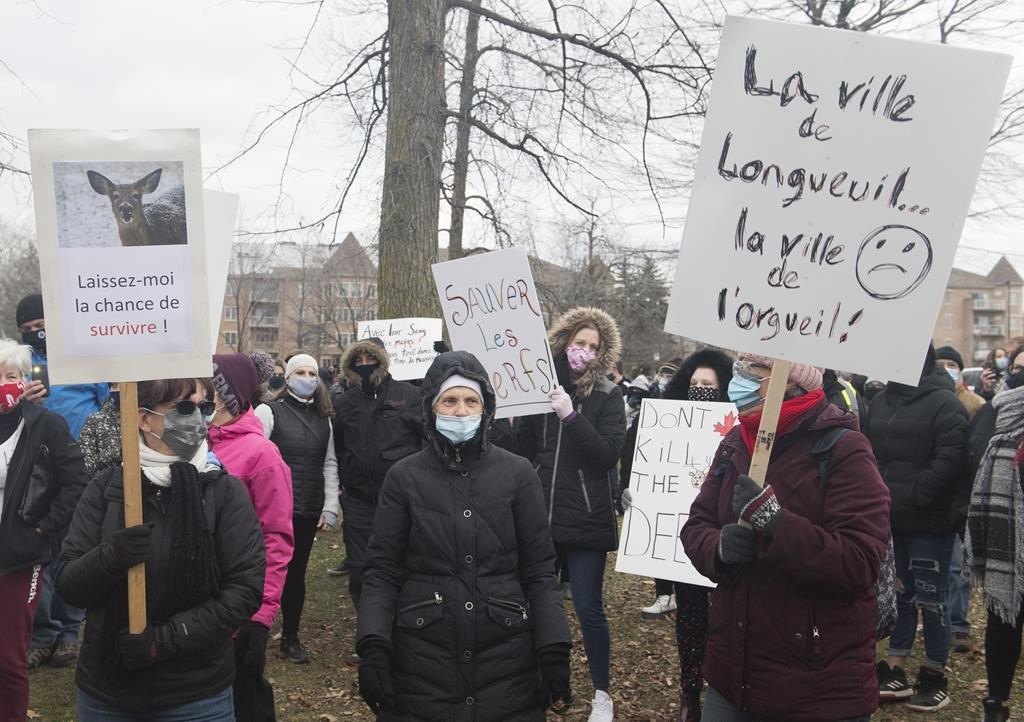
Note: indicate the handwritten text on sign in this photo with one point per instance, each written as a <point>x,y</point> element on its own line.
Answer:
<point>492,309</point>
<point>675,443</point>
<point>835,174</point>
<point>408,341</point>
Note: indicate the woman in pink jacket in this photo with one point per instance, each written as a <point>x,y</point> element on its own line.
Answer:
<point>236,439</point>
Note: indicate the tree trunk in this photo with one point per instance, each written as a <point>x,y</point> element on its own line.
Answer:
<point>412,160</point>
<point>466,92</point>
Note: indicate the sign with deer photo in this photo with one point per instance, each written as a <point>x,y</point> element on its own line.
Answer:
<point>835,173</point>
<point>675,444</point>
<point>122,254</point>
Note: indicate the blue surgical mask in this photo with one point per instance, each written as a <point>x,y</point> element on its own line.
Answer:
<point>302,386</point>
<point>458,429</point>
<point>1002,363</point>
<point>743,392</point>
<point>954,374</point>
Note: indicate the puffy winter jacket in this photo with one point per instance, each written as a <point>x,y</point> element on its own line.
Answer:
<point>919,436</point>
<point>202,662</point>
<point>580,496</point>
<point>460,577</point>
<point>45,478</point>
<point>255,461</point>
<point>302,436</point>
<point>792,633</point>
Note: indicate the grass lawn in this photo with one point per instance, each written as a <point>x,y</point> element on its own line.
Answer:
<point>644,662</point>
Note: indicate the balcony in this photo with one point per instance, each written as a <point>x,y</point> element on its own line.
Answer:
<point>983,304</point>
<point>260,321</point>
<point>988,331</point>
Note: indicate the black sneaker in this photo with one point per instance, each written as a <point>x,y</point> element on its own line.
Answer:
<point>930,691</point>
<point>293,651</point>
<point>892,683</point>
<point>65,655</point>
<point>340,570</point>
<point>995,710</point>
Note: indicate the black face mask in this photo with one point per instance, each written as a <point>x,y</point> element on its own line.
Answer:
<point>366,371</point>
<point>704,393</point>
<point>35,339</point>
<point>1016,380</point>
<point>275,382</point>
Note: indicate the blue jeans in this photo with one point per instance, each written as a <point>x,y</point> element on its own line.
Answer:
<point>922,567</point>
<point>586,578</point>
<point>718,709</point>
<point>959,591</point>
<point>55,622</point>
<point>218,708</point>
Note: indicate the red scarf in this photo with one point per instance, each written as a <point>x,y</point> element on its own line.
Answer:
<point>792,410</point>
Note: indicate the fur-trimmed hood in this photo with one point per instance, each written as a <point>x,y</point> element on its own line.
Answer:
<point>678,388</point>
<point>562,332</point>
<point>370,348</point>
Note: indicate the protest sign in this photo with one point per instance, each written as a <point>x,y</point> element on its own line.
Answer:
<point>219,213</point>
<point>122,254</point>
<point>675,444</point>
<point>491,307</point>
<point>835,174</point>
<point>408,341</point>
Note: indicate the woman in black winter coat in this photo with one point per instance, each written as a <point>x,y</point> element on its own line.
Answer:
<point>461,616</point>
<point>575,453</point>
<point>203,550</point>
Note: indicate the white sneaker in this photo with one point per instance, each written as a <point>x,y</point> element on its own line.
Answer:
<point>601,708</point>
<point>663,604</point>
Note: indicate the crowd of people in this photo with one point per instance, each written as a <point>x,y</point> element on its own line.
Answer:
<point>468,539</point>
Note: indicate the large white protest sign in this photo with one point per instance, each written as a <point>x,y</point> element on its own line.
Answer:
<point>835,174</point>
<point>675,444</point>
<point>408,341</point>
<point>219,210</point>
<point>491,307</point>
<point>122,253</point>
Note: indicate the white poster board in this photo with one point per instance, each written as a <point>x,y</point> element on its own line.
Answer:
<point>491,307</point>
<point>408,341</point>
<point>220,211</point>
<point>122,254</point>
<point>835,174</point>
<point>675,444</point>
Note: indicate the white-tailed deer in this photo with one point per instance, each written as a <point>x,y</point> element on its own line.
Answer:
<point>152,224</point>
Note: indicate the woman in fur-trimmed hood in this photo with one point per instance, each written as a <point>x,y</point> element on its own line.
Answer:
<point>575,452</point>
<point>372,374</point>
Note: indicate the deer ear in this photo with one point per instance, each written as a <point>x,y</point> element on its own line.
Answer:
<point>150,182</point>
<point>99,183</point>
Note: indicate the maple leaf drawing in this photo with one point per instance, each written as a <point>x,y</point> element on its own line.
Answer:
<point>727,423</point>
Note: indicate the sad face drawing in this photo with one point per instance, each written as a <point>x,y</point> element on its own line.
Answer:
<point>892,261</point>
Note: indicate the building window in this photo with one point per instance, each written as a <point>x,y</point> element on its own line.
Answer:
<point>949,297</point>
<point>948,342</point>
<point>231,313</point>
<point>371,292</point>
<point>1014,298</point>
<point>947,321</point>
<point>230,338</point>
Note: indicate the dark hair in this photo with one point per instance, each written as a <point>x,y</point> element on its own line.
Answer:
<point>990,360</point>
<point>208,389</point>
<point>154,393</point>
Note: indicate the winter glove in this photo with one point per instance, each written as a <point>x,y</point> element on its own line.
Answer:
<point>441,347</point>
<point>737,544</point>
<point>128,547</point>
<point>251,647</point>
<point>626,500</point>
<point>561,402</point>
<point>755,505</point>
<point>139,651</point>
<point>554,674</point>
<point>375,676</point>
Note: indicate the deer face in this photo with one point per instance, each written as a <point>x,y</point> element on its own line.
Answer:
<point>125,198</point>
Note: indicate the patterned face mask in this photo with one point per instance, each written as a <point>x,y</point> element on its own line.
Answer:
<point>10,395</point>
<point>704,393</point>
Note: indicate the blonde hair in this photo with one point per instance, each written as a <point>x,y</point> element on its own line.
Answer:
<point>16,356</point>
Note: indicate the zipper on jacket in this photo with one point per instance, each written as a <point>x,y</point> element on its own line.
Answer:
<point>437,600</point>
<point>513,606</point>
<point>583,486</point>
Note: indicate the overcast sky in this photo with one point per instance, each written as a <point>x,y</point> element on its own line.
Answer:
<point>217,65</point>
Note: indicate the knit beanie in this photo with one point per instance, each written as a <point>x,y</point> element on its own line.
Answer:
<point>806,377</point>
<point>30,308</point>
<point>235,380</point>
<point>298,361</point>
<point>457,380</point>
<point>948,353</point>
<point>670,367</point>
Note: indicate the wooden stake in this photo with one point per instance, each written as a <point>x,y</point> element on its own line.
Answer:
<point>765,441</point>
<point>132,473</point>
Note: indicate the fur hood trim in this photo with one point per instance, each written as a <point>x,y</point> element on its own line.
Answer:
<point>679,387</point>
<point>348,362</point>
<point>561,334</point>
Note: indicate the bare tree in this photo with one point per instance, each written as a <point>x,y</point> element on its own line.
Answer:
<point>20,276</point>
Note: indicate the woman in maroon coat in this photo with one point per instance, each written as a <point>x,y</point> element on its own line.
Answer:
<point>792,623</point>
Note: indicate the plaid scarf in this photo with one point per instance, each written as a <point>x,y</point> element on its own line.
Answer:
<point>994,542</point>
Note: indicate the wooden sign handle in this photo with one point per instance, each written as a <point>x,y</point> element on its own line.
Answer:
<point>769,423</point>
<point>132,473</point>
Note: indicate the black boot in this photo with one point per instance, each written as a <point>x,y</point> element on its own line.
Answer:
<point>689,705</point>
<point>930,691</point>
<point>995,710</point>
<point>293,651</point>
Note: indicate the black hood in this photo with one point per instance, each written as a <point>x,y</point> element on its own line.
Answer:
<point>937,379</point>
<point>678,388</point>
<point>443,366</point>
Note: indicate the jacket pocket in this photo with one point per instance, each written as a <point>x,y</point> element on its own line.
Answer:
<point>421,615</point>
<point>41,489</point>
<point>583,488</point>
<point>513,616</point>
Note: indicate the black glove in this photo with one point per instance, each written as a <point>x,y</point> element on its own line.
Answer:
<point>251,646</point>
<point>737,544</point>
<point>554,674</point>
<point>128,547</point>
<point>375,675</point>
<point>139,651</point>
<point>441,347</point>
<point>757,506</point>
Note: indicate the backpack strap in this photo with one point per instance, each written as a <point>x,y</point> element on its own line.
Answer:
<point>822,451</point>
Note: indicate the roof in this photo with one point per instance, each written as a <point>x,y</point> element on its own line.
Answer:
<point>959,278</point>
<point>1004,272</point>
<point>348,258</point>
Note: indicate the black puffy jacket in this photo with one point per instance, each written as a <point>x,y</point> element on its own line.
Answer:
<point>460,577</point>
<point>302,434</point>
<point>919,436</point>
<point>202,663</point>
<point>45,477</point>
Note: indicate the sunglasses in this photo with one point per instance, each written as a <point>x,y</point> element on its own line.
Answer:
<point>186,407</point>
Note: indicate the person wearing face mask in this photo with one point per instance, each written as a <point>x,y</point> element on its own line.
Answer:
<point>201,544</point>
<point>575,451</point>
<point>665,373</point>
<point>377,422</point>
<point>703,376</point>
<point>42,477</point>
<point>236,437</point>
<point>993,370</point>
<point>461,613</point>
<point>791,629</point>
<point>299,423</point>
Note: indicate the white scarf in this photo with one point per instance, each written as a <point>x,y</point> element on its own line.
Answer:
<point>157,466</point>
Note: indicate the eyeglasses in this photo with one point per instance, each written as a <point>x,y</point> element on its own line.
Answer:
<point>745,369</point>
<point>186,407</point>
